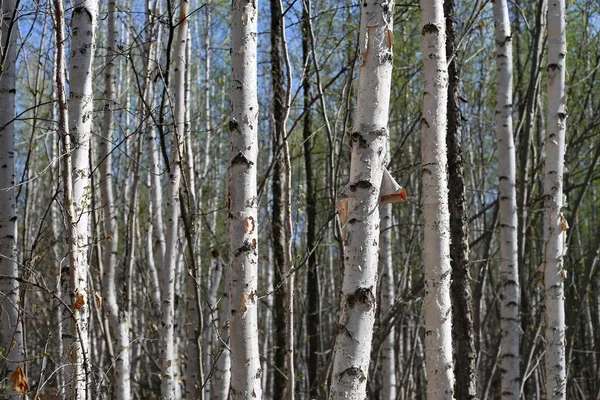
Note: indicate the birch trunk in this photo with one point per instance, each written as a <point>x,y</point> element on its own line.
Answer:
<point>281,225</point>
<point>361,235</point>
<point>77,190</point>
<point>222,369</point>
<point>554,222</point>
<point>388,354</point>
<point>167,338</point>
<point>156,237</point>
<point>190,206</point>
<point>509,273</point>
<point>118,319</point>
<point>438,314</point>
<point>243,203</point>
<point>11,334</point>
<point>156,218</point>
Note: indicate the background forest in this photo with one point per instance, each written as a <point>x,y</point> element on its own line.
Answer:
<point>155,200</point>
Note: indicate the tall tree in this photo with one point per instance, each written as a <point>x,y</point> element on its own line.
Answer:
<point>509,272</point>
<point>283,382</point>
<point>169,265</point>
<point>388,294</point>
<point>436,262</point>
<point>243,203</point>
<point>463,332</point>
<point>11,334</point>
<point>118,317</point>
<point>555,224</point>
<point>525,133</point>
<point>312,288</point>
<point>360,208</point>
<point>77,190</point>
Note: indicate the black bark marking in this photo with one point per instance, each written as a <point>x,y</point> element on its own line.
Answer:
<point>79,10</point>
<point>246,248</point>
<point>363,296</point>
<point>554,67</point>
<point>358,138</point>
<point>361,185</point>
<point>353,372</point>
<point>504,42</point>
<point>430,28</point>
<point>241,159</point>
<point>233,126</point>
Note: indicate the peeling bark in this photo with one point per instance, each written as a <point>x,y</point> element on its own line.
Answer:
<point>361,245</point>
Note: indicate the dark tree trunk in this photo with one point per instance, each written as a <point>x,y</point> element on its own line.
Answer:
<point>278,221</point>
<point>462,311</point>
<point>312,279</point>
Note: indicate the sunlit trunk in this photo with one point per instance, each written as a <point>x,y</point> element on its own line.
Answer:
<point>360,208</point>
<point>11,334</point>
<point>509,272</point>
<point>555,224</point>
<point>243,203</point>
<point>438,314</point>
<point>169,361</point>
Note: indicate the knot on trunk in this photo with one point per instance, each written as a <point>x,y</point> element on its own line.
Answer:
<point>353,373</point>
<point>430,28</point>
<point>363,296</point>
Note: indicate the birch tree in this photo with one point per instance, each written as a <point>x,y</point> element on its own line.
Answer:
<point>77,189</point>
<point>243,203</point>
<point>438,314</point>
<point>283,381</point>
<point>555,223</point>
<point>388,294</point>
<point>11,334</point>
<point>360,209</point>
<point>509,273</point>
<point>119,319</point>
<point>171,258</point>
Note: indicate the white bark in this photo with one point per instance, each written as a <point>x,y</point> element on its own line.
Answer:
<point>156,227</point>
<point>11,334</point>
<point>554,222</point>
<point>193,368</point>
<point>243,203</point>
<point>438,316</point>
<point>168,351</point>
<point>118,319</point>
<point>509,273</point>
<point>155,164</point>
<point>222,369</point>
<point>83,27</point>
<point>361,235</point>
<point>388,355</point>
